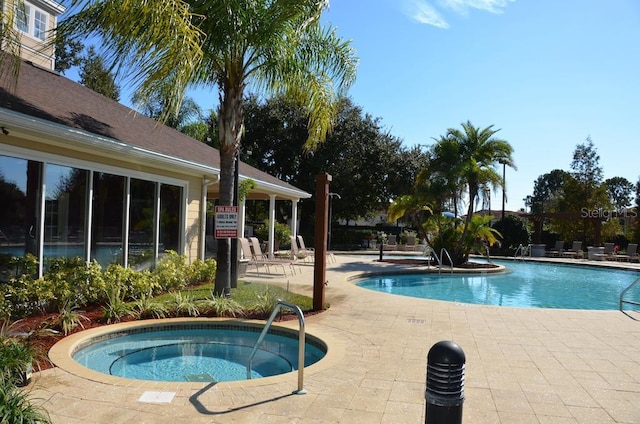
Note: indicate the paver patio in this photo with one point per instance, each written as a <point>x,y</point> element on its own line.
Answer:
<point>523,366</point>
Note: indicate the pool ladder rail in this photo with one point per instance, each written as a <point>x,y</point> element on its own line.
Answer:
<point>301,342</point>
<point>523,251</point>
<point>442,252</point>
<point>629,302</point>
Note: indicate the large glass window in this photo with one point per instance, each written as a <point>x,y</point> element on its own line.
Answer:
<point>141,223</point>
<point>108,218</point>
<point>65,211</point>
<point>170,219</point>
<point>154,218</point>
<point>19,191</point>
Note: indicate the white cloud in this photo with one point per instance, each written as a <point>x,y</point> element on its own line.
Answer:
<point>462,6</point>
<point>424,13</point>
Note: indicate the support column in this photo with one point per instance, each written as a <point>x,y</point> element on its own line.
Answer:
<point>294,218</point>
<point>272,225</point>
<point>322,218</point>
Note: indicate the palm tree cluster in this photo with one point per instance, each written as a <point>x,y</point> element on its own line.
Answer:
<point>462,167</point>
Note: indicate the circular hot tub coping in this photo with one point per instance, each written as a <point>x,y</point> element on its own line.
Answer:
<point>61,354</point>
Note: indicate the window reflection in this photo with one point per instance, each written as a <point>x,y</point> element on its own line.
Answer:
<point>107,226</point>
<point>65,211</point>
<point>141,223</point>
<point>170,198</point>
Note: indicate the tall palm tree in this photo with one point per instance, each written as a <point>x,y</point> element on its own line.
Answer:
<point>10,38</point>
<point>275,46</point>
<point>475,167</point>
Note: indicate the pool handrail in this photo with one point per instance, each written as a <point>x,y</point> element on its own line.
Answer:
<point>630,302</point>
<point>444,250</point>
<point>524,250</point>
<point>301,342</point>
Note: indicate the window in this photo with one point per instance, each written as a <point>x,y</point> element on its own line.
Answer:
<point>22,18</point>
<point>39,25</point>
<point>32,21</point>
<point>92,214</point>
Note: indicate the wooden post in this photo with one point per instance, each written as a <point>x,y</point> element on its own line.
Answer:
<point>322,218</point>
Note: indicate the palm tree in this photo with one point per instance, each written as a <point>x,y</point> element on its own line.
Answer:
<point>10,38</point>
<point>276,46</point>
<point>472,155</point>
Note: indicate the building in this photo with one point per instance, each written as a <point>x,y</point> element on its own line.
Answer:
<point>82,175</point>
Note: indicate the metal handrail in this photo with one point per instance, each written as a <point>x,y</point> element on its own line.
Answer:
<point>443,250</point>
<point>428,253</point>
<point>630,302</point>
<point>301,342</point>
<point>524,250</point>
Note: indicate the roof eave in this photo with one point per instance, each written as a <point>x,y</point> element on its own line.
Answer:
<point>89,142</point>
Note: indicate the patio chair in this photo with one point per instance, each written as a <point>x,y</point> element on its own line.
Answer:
<point>607,253</point>
<point>303,249</point>
<point>298,253</point>
<point>575,251</point>
<point>391,244</point>
<point>256,260</point>
<point>411,243</point>
<point>557,249</point>
<point>311,251</point>
<point>632,253</point>
<point>264,259</point>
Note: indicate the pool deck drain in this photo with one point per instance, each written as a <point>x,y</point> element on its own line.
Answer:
<point>157,397</point>
<point>523,366</point>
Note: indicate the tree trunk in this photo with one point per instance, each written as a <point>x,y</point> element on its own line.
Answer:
<point>230,122</point>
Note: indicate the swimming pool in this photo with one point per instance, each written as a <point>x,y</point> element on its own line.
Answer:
<point>524,285</point>
<point>194,352</point>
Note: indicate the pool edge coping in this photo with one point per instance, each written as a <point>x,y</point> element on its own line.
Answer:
<point>60,355</point>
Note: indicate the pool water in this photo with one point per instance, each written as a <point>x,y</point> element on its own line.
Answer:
<point>204,355</point>
<point>524,285</point>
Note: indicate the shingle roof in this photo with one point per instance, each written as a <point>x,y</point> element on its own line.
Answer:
<point>50,96</point>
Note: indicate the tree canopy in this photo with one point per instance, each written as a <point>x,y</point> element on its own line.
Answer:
<point>369,166</point>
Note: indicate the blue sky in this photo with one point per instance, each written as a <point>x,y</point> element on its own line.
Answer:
<point>547,73</point>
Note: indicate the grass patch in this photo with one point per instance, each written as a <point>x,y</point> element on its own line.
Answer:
<point>246,294</point>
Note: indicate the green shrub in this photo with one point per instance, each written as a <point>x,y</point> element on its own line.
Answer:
<point>16,407</point>
<point>265,303</point>
<point>148,307</point>
<point>68,318</point>
<point>116,307</point>
<point>73,280</point>
<point>221,306</point>
<point>21,297</point>
<point>16,360</point>
<point>282,232</point>
<point>182,304</point>
<point>171,272</point>
<point>133,284</point>
<point>202,272</point>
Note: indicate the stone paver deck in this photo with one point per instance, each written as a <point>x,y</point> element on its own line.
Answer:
<point>523,366</point>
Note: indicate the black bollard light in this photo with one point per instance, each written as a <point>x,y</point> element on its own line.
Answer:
<point>445,384</point>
